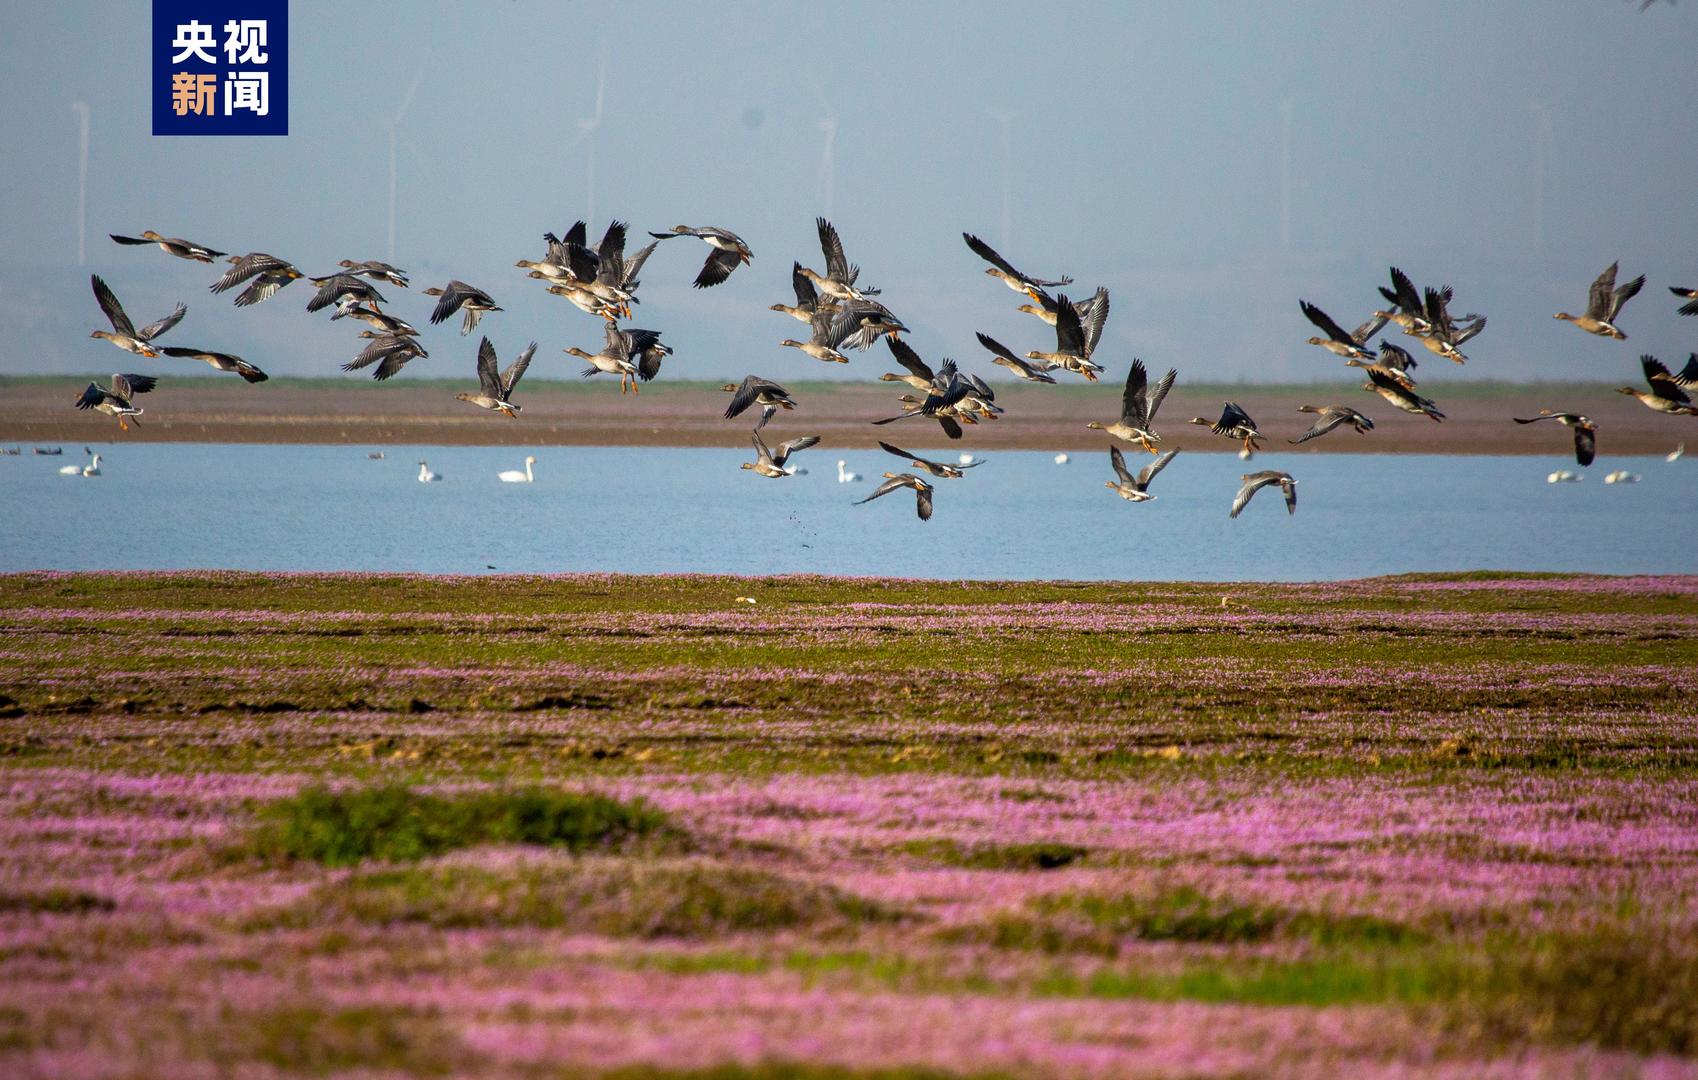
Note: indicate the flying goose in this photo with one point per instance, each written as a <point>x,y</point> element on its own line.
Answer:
<point>1686,293</point>
<point>616,352</point>
<point>1234,423</point>
<point>117,401</point>
<point>458,296</point>
<point>772,462</point>
<point>1332,416</point>
<point>1047,307</point>
<point>1256,481</point>
<point>648,359</point>
<point>496,387</point>
<point>1400,394</point>
<point>754,390</point>
<point>807,297</point>
<point>1667,394</point>
<point>1445,334</point>
<point>869,320</point>
<point>838,281</point>
<point>171,245</point>
<point>831,326</point>
<point>936,468</point>
<point>1603,304</point>
<point>729,252</point>
<point>269,273</point>
<point>1585,431</point>
<point>124,333</point>
<point>1001,269</point>
<point>1074,340</point>
<point>1138,405</point>
<point>1003,355</point>
<point>1338,342</point>
<point>378,271</point>
<point>615,278</point>
<point>345,291</point>
<point>377,320</point>
<point>1135,488</point>
<point>1406,310</point>
<point>220,362</point>
<point>893,481</point>
<point>393,350</point>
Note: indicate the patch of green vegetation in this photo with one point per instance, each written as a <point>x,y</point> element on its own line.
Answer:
<point>398,824</point>
<point>320,1041</point>
<point>1036,856</point>
<point>1187,915</point>
<point>56,900</point>
<point>692,899</point>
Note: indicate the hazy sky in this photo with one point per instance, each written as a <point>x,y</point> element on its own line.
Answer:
<point>1145,154</point>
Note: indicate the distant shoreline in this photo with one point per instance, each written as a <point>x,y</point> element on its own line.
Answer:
<point>37,410</point>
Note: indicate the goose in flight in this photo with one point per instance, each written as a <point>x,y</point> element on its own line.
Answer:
<point>458,296</point>
<point>773,462</point>
<point>1256,481</point>
<point>831,326</point>
<point>895,481</point>
<point>171,245</point>
<point>1406,308</point>
<point>1445,334</point>
<point>1332,416</point>
<point>1135,488</point>
<point>1001,269</point>
<point>807,297</point>
<point>936,468</point>
<point>345,291</point>
<point>1234,423</point>
<point>268,274</point>
<point>117,401</point>
<point>1686,293</point>
<point>377,271</point>
<point>220,362</point>
<point>514,476</point>
<point>754,390</point>
<point>1585,431</point>
<point>1337,341</point>
<point>377,320</point>
<point>1138,405</point>
<point>124,333</point>
<point>1668,393</point>
<point>1075,340</point>
<point>1004,356</point>
<point>1048,307</point>
<point>729,252</point>
<point>616,353</point>
<point>838,281</point>
<point>1604,303</point>
<point>495,387</point>
<point>390,352</point>
<point>1400,394</point>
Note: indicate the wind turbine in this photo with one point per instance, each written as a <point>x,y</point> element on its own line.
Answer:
<point>1541,148</point>
<point>828,165</point>
<point>1285,174</point>
<point>81,109</point>
<point>1007,214</point>
<point>588,127</point>
<point>406,103</point>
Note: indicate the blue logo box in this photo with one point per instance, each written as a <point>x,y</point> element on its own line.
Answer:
<point>221,68</point>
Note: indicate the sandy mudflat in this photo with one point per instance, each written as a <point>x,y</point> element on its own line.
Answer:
<point>38,411</point>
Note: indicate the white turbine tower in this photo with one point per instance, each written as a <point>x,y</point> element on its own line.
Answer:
<point>588,126</point>
<point>1285,174</point>
<point>828,164</point>
<point>1541,148</point>
<point>400,114</point>
<point>1005,119</point>
<point>81,109</point>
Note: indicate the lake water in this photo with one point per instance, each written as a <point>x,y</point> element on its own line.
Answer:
<point>164,506</point>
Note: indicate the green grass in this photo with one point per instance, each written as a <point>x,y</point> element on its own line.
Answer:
<point>396,824</point>
<point>1035,856</point>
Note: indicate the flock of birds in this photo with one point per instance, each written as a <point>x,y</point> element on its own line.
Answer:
<point>841,313</point>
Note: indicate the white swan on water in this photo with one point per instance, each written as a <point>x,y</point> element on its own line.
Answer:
<point>91,469</point>
<point>844,476</point>
<point>514,476</point>
<point>425,475</point>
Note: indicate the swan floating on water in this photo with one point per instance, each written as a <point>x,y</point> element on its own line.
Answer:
<point>91,469</point>
<point>1622,476</point>
<point>514,476</point>
<point>1565,476</point>
<point>1674,455</point>
<point>425,475</point>
<point>844,476</point>
<point>1062,459</point>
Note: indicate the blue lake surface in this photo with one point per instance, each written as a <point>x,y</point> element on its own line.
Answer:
<point>161,506</point>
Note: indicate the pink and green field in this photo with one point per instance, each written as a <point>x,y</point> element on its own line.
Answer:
<point>275,825</point>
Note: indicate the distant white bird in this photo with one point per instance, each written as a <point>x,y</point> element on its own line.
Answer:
<point>514,476</point>
<point>425,475</point>
<point>1622,476</point>
<point>966,459</point>
<point>1565,476</point>
<point>91,469</point>
<point>1062,459</point>
<point>844,476</point>
<point>1674,455</point>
